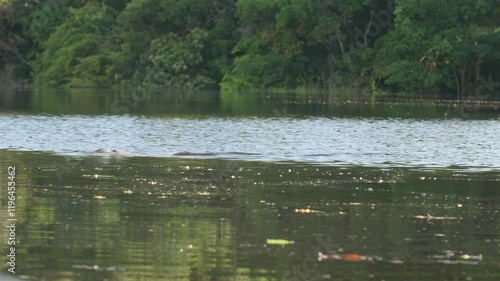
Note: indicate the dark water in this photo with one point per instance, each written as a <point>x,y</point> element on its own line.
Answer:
<point>385,191</point>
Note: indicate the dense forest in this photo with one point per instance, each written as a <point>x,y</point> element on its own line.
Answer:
<point>433,48</point>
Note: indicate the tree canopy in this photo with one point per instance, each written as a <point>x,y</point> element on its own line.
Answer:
<point>439,48</point>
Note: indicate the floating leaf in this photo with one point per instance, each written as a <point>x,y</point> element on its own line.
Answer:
<point>279,242</point>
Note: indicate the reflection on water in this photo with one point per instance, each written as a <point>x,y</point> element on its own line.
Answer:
<point>267,187</point>
<point>137,218</point>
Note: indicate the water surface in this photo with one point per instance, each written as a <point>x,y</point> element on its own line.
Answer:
<point>385,191</point>
<point>265,128</point>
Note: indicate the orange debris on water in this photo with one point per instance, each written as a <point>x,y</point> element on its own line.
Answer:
<point>343,257</point>
<point>354,257</point>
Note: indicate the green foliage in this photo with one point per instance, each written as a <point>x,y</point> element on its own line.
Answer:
<point>220,41</point>
<point>434,48</point>
<point>45,17</point>
<point>292,43</point>
<point>255,71</point>
<point>439,47</point>
<point>173,61</point>
<point>15,47</point>
<point>74,54</point>
<point>172,43</point>
<point>270,45</point>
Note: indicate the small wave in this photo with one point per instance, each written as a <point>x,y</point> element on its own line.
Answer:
<point>186,153</point>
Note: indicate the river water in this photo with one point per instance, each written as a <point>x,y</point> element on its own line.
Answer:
<point>384,191</point>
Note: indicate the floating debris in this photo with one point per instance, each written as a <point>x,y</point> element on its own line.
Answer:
<point>458,262</point>
<point>96,176</point>
<point>469,257</point>
<point>128,191</point>
<point>343,257</point>
<point>84,266</point>
<point>450,257</point>
<point>279,242</point>
<point>447,255</point>
<point>99,197</point>
<point>430,217</point>
<point>307,211</point>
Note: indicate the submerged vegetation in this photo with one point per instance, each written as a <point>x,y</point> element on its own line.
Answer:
<point>436,49</point>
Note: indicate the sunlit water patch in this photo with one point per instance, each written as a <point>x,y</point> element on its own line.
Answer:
<point>471,144</point>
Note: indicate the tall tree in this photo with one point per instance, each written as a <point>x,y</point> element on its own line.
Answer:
<point>75,53</point>
<point>173,43</point>
<point>298,43</point>
<point>16,47</point>
<point>440,47</point>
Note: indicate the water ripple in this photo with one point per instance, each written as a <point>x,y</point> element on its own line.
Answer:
<point>368,142</point>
